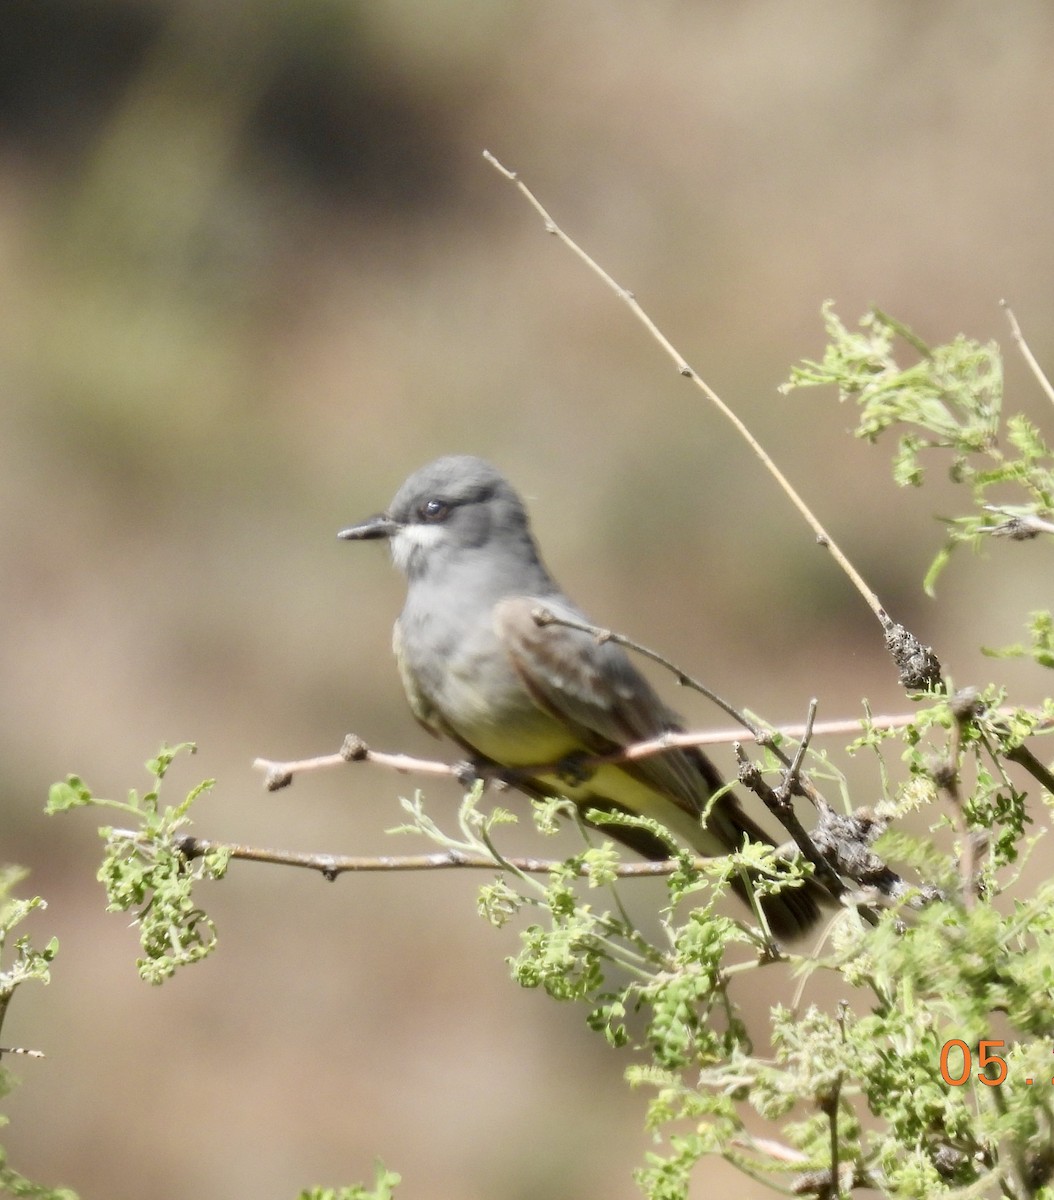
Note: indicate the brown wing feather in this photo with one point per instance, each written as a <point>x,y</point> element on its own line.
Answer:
<point>594,689</point>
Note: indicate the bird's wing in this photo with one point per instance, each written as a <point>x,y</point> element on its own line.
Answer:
<point>594,689</point>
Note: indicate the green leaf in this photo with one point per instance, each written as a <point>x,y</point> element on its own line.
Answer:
<point>71,793</point>
<point>384,1184</point>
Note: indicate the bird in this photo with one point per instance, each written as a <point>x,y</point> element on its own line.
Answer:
<point>478,668</point>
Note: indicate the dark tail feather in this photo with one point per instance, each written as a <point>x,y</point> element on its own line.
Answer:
<point>795,910</point>
<point>790,914</point>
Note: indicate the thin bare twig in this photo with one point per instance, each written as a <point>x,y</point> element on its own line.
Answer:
<point>689,372</point>
<point>543,616</point>
<point>332,865</point>
<point>791,783</point>
<point>354,749</point>
<point>1018,527</point>
<point>1026,352</point>
<point>280,774</point>
<point>803,785</point>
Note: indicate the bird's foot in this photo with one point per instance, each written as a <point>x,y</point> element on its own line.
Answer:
<point>469,772</point>
<point>574,770</point>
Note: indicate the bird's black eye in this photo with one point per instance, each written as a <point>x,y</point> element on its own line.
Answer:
<point>433,511</point>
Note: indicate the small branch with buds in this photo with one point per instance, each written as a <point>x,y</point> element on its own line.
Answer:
<point>279,774</point>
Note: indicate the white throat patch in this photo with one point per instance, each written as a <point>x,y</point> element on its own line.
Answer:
<point>410,541</point>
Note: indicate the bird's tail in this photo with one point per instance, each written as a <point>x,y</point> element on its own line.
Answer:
<point>791,912</point>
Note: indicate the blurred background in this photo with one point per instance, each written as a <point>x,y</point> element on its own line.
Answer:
<point>253,271</point>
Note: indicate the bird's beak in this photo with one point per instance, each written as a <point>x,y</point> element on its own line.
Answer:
<point>379,526</point>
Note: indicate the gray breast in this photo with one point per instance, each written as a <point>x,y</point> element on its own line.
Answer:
<point>465,681</point>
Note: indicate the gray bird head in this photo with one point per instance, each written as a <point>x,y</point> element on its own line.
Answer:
<point>457,511</point>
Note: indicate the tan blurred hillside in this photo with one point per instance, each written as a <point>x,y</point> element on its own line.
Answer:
<point>253,271</point>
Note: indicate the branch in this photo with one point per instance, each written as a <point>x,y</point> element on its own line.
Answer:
<point>332,865</point>
<point>543,616</point>
<point>1026,352</point>
<point>354,749</point>
<point>1024,758</point>
<point>945,773</point>
<point>279,774</point>
<point>801,785</point>
<point>791,784</point>
<point>777,801</point>
<point>1019,527</point>
<point>917,664</point>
